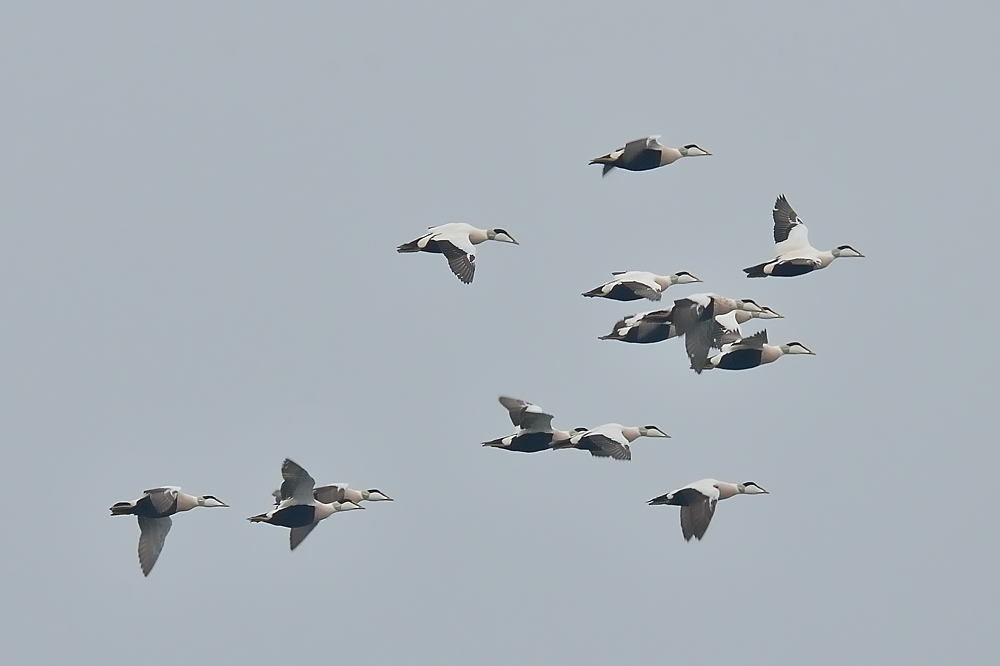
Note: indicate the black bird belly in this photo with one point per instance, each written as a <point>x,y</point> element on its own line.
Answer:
<point>532,442</point>
<point>792,268</point>
<point>644,161</point>
<point>144,507</point>
<point>741,359</point>
<point>298,515</point>
<point>621,292</point>
<point>435,246</point>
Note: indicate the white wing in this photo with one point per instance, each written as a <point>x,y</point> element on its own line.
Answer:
<point>727,330</point>
<point>790,234</point>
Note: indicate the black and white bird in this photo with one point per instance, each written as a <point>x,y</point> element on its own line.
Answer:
<point>153,510</point>
<point>694,318</point>
<point>794,254</point>
<point>535,432</point>
<point>697,501</point>
<point>658,325</point>
<point>457,242</point>
<point>343,493</point>
<point>633,285</point>
<point>610,440</point>
<point>646,153</point>
<point>753,351</point>
<point>299,509</point>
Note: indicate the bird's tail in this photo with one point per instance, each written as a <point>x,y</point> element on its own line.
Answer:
<point>594,293</point>
<point>262,518</point>
<point>608,162</point>
<point>122,509</point>
<point>408,247</point>
<point>756,271</point>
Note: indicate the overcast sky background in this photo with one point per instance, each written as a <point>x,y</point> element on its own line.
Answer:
<point>199,209</point>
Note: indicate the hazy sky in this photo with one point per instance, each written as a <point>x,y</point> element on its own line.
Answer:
<point>199,209</point>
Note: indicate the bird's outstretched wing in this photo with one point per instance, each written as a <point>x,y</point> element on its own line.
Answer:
<point>152,535</point>
<point>297,484</point>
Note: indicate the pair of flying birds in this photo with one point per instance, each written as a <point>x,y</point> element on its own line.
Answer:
<point>535,433</point>
<point>299,505</point>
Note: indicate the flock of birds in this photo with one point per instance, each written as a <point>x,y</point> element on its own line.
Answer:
<point>706,321</point>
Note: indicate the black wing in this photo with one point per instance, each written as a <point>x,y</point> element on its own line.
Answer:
<point>462,264</point>
<point>784,219</point>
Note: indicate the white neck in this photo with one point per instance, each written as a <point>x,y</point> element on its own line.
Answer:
<point>187,502</point>
<point>771,353</point>
<point>727,490</point>
<point>352,495</point>
<point>826,258</point>
<point>670,155</point>
<point>631,434</point>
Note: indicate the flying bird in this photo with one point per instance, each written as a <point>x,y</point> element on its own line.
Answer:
<point>658,325</point>
<point>794,254</point>
<point>633,285</point>
<point>697,501</point>
<point>153,510</point>
<point>535,432</point>
<point>753,351</point>
<point>610,440</point>
<point>694,318</point>
<point>457,241</point>
<point>644,154</point>
<point>343,493</point>
<point>299,509</point>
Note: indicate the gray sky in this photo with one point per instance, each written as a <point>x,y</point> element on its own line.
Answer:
<point>199,208</point>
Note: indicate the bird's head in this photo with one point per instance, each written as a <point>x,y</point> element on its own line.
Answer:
<point>846,251</point>
<point>747,305</point>
<point>766,313</point>
<point>500,235</point>
<point>683,277</point>
<point>651,431</point>
<point>693,150</point>
<point>796,348</point>
<point>376,495</point>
